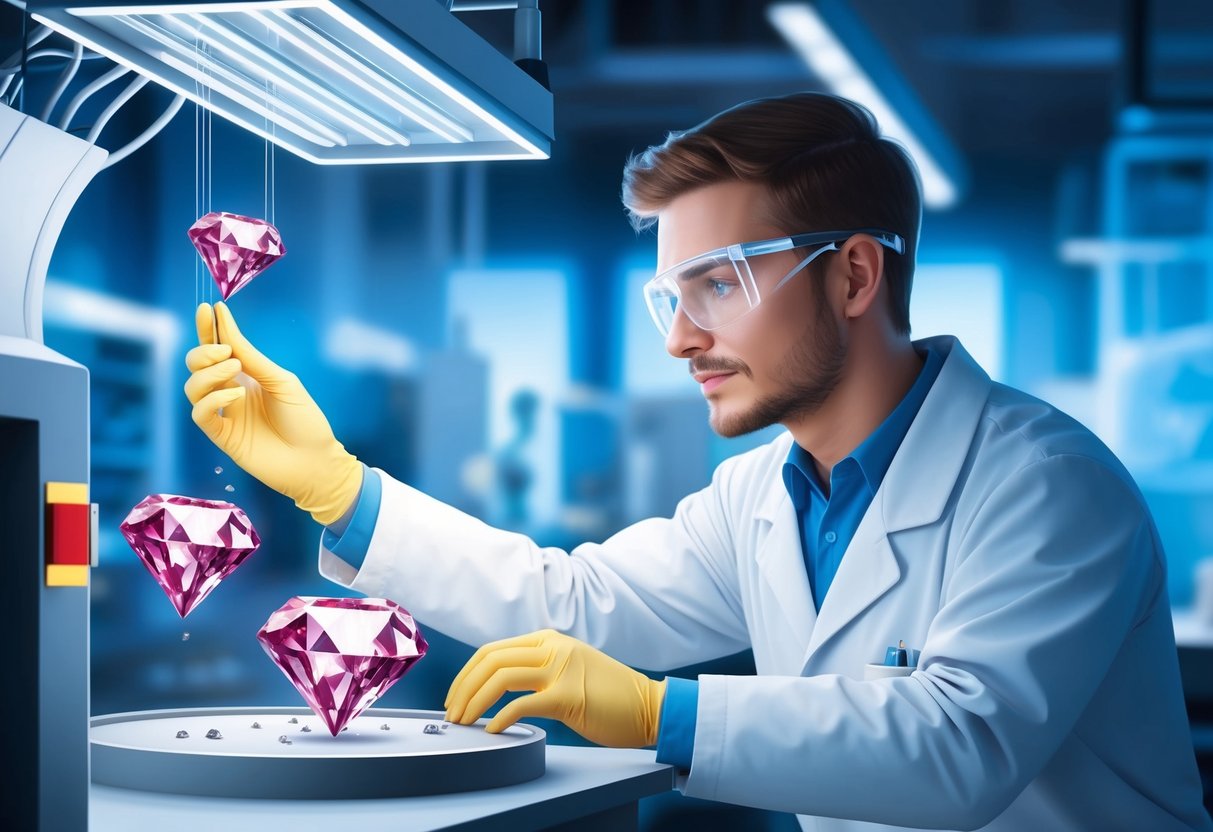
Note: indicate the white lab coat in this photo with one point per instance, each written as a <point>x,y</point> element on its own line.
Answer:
<point>1006,541</point>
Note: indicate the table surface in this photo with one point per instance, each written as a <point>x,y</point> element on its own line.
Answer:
<point>578,781</point>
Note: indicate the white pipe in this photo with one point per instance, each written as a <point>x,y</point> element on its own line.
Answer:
<point>114,106</point>
<point>101,81</point>
<point>147,135</point>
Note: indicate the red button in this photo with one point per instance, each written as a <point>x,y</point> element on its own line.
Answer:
<point>67,533</point>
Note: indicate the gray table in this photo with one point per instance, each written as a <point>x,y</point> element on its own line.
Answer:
<point>587,789</point>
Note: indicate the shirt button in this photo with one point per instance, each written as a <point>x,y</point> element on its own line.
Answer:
<point>831,537</point>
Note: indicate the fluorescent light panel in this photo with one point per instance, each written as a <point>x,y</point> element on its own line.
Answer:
<point>315,78</point>
<point>803,28</point>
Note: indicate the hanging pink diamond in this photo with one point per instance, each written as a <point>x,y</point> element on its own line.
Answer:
<point>235,248</point>
<point>189,545</point>
<point>342,654</point>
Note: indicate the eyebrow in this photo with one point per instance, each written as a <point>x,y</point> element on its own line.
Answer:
<point>698,269</point>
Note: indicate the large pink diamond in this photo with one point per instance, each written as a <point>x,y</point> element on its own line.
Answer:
<point>189,545</point>
<point>235,248</point>
<point>342,654</point>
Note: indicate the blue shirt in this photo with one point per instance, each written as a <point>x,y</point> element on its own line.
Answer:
<point>350,537</point>
<point>828,521</point>
<point>827,524</point>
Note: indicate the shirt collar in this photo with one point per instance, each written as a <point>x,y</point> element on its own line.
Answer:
<point>874,454</point>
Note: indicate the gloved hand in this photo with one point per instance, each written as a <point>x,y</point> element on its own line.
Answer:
<point>603,700</point>
<point>269,425</point>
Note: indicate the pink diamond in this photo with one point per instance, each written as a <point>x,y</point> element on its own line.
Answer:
<point>342,654</point>
<point>235,248</point>
<point>189,545</point>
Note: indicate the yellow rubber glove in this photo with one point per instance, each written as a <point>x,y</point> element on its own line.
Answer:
<point>603,700</point>
<point>261,416</point>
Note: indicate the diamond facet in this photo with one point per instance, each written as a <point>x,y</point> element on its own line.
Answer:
<point>189,545</point>
<point>235,248</point>
<point>342,654</point>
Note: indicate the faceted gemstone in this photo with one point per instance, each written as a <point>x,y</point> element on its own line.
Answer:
<point>342,654</point>
<point>235,248</point>
<point>189,545</point>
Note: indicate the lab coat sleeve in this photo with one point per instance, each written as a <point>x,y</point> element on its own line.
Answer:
<point>660,594</point>
<point>1056,567</point>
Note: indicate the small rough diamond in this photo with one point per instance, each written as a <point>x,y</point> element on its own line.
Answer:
<point>307,729</point>
<point>189,545</point>
<point>342,654</point>
<point>214,734</point>
<point>185,636</point>
<point>446,725</point>
<point>229,488</point>
<point>284,739</point>
<point>431,728</point>
<point>218,469</point>
<point>293,720</point>
<point>183,735</point>
<point>385,727</point>
<point>235,248</point>
<point>256,725</point>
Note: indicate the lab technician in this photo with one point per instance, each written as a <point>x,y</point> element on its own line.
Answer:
<point>910,499</point>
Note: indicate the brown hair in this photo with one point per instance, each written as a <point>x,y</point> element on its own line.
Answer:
<point>821,157</point>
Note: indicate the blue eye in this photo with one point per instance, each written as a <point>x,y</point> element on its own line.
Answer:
<point>721,289</point>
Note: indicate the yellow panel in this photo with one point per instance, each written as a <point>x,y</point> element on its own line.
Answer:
<point>67,492</point>
<point>58,574</point>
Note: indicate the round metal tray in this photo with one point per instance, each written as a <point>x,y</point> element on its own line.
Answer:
<point>141,750</point>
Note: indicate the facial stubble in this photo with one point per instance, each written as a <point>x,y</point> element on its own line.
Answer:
<point>808,375</point>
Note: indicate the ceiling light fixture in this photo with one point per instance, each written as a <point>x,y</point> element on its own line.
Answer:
<point>824,47</point>
<point>333,81</point>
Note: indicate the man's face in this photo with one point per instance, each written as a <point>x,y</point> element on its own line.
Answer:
<point>780,361</point>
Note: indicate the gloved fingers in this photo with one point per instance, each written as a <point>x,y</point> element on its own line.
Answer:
<point>204,356</point>
<point>219,376</point>
<point>206,412</point>
<point>478,671</point>
<point>204,322</point>
<point>533,639</point>
<point>544,704</point>
<point>255,363</point>
<point>503,680</point>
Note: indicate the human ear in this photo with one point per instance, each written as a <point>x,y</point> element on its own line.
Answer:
<point>863,260</point>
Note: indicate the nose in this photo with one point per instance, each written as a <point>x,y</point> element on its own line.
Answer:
<point>686,339</point>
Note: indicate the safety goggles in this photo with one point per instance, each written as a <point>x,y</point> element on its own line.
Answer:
<point>717,288</point>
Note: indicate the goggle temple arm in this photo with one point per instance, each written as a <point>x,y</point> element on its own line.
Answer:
<point>803,263</point>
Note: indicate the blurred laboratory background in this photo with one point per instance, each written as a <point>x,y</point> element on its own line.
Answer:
<point>476,329</point>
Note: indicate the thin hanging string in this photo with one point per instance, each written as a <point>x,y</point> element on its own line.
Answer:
<point>270,185</point>
<point>274,177</point>
<point>265,160</point>
<point>197,170</point>
<point>210,172</point>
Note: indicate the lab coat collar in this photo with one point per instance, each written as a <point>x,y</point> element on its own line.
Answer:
<point>914,492</point>
<point>941,434</point>
<point>950,411</point>
<point>781,565</point>
<point>930,457</point>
